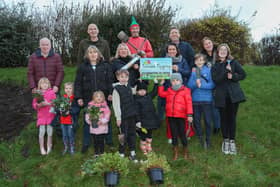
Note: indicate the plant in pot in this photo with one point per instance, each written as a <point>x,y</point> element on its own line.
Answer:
<point>94,113</point>
<point>110,165</point>
<point>155,166</point>
<point>62,105</point>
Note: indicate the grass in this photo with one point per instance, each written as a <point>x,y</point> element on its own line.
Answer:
<point>256,164</point>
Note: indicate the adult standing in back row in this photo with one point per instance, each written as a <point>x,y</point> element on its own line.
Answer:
<point>185,48</point>
<point>96,40</point>
<point>44,62</point>
<point>136,44</point>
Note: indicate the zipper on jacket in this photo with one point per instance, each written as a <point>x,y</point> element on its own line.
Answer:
<point>173,104</point>
<point>45,71</point>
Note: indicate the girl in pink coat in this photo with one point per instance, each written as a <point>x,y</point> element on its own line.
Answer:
<point>101,130</point>
<point>44,116</point>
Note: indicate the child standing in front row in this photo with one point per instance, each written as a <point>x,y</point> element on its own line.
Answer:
<point>125,112</point>
<point>67,121</point>
<point>202,85</point>
<point>44,116</point>
<point>99,133</point>
<point>178,109</point>
<point>147,116</point>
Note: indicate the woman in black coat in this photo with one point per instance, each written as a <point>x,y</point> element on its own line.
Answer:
<point>92,75</point>
<point>227,73</point>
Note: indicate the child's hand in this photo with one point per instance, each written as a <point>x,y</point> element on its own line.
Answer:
<point>99,123</point>
<point>119,122</point>
<point>162,81</point>
<point>198,83</point>
<point>190,119</point>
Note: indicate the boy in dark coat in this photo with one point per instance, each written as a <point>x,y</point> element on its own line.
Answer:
<point>147,116</point>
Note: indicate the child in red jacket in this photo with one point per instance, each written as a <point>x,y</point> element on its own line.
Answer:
<point>178,108</point>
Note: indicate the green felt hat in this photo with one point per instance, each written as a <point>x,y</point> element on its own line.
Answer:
<point>133,22</point>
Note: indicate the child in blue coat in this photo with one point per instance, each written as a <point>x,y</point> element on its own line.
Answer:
<point>201,85</point>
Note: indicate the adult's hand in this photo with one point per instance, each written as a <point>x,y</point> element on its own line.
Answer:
<point>80,102</point>
<point>190,119</point>
<point>135,66</point>
<point>34,90</point>
<point>175,68</point>
<point>110,97</point>
<point>55,89</point>
<point>229,75</point>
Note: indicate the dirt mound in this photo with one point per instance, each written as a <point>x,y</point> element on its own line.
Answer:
<point>15,110</point>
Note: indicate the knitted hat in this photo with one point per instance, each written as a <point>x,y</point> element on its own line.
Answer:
<point>141,86</point>
<point>133,22</point>
<point>177,76</point>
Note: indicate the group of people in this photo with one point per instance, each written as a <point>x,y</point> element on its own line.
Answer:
<point>206,83</point>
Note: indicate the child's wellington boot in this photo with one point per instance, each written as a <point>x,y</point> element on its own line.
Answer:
<point>49,144</point>
<point>42,148</point>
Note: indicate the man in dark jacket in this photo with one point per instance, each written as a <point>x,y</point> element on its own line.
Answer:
<point>44,62</point>
<point>185,48</point>
<point>95,40</point>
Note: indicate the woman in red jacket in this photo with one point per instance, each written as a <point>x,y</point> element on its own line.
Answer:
<point>178,108</point>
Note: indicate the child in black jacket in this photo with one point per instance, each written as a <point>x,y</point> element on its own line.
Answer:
<point>147,116</point>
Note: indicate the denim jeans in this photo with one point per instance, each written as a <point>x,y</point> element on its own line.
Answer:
<point>67,134</point>
<point>206,110</point>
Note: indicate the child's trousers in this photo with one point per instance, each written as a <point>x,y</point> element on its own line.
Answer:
<point>128,128</point>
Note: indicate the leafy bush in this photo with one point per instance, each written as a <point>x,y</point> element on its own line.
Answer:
<point>155,161</point>
<point>269,49</point>
<point>105,163</point>
<point>16,38</point>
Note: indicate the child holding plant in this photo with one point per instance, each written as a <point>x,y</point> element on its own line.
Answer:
<point>44,116</point>
<point>67,117</point>
<point>202,86</point>
<point>97,117</point>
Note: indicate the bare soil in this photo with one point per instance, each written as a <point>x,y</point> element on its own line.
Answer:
<point>15,110</point>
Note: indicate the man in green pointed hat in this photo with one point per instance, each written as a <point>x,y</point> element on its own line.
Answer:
<point>136,44</point>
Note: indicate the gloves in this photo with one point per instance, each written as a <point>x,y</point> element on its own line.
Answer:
<point>138,125</point>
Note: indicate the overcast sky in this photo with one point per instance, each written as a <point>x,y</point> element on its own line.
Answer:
<point>265,21</point>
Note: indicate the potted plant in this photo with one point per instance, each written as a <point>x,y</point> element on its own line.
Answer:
<point>94,113</point>
<point>155,166</point>
<point>62,105</point>
<point>110,165</point>
<point>38,95</point>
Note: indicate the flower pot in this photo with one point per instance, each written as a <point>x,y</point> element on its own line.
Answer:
<point>94,124</point>
<point>156,175</point>
<point>111,178</point>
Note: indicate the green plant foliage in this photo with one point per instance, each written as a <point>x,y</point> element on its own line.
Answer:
<point>105,163</point>
<point>16,36</point>
<point>155,161</point>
